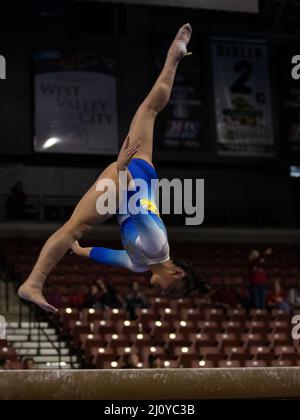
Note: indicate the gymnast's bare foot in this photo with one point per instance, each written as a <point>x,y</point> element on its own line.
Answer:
<point>33,293</point>
<point>178,49</point>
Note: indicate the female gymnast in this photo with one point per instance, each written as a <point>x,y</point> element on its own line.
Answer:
<point>144,236</point>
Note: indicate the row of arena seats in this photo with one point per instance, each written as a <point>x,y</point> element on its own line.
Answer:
<point>182,335</point>
<point>185,332</point>
<point>214,262</point>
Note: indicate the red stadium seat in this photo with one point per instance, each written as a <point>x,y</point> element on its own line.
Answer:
<point>234,327</point>
<point>228,340</point>
<point>257,327</point>
<point>198,364</point>
<point>256,363</point>
<point>262,353</point>
<point>250,339</point>
<point>229,364</point>
<point>202,340</point>
<point>236,353</point>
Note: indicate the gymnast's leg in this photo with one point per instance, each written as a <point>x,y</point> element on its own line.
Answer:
<point>83,219</point>
<point>143,122</point>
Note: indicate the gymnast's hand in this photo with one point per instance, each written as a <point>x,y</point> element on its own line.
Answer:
<point>126,154</point>
<point>78,250</point>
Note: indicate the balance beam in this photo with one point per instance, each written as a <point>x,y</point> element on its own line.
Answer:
<point>146,384</point>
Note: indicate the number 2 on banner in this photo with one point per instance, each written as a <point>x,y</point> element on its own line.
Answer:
<point>245,70</point>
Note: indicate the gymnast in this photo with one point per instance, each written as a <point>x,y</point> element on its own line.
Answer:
<point>144,236</point>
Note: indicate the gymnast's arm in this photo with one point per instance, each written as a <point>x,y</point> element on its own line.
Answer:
<point>111,257</point>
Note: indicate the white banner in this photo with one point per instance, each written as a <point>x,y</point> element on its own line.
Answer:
<point>243,104</point>
<point>75,110</point>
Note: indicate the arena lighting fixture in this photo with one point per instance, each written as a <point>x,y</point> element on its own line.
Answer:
<point>101,350</point>
<point>68,310</point>
<point>234,349</point>
<point>168,310</point>
<point>90,337</point>
<point>184,350</point>
<point>127,350</point>
<point>260,349</point>
<point>246,6</point>
<point>114,364</point>
<point>92,311</point>
<point>182,323</point>
<point>115,336</point>
<point>115,311</point>
<point>51,142</point>
<point>140,365</point>
<point>199,336</point>
<point>166,363</point>
<point>229,363</point>
<point>172,336</point>
<point>127,323</point>
<point>153,349</point>
<point>5,349</point>
<point>144,311</point>
<point>202,363</point>
<point>225,336</point>
<point>78,323</point>
<point>140,336</point>
<point>102,322</point>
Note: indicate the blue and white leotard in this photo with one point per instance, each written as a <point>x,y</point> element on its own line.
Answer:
<point>144,235</point>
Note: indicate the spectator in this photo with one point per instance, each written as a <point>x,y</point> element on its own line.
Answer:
<point>29,363</point>
<point>109,297</point>
<point>227,297</point>
<point>93,298</point>
<point>4,364</point>
<point>131,361</point>
<point>135,299</point>
<point>277,298</point>
<point>258,277</point>
<point>155,362</point>
<point>16,202</point>
<point>294,296</point>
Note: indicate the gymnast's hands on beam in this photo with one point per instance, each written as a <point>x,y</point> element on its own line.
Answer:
<point>127,152</point>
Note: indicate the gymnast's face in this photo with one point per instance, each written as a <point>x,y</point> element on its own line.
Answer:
<point>169,280</point>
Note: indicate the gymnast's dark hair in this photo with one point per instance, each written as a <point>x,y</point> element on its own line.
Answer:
<point>192,283</point>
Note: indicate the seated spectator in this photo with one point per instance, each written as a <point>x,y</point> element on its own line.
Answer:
<point>258,277</point>
<point>294,296</point>
<point>135,299</point>
<point>29,363</point>
<point>131,361</point>
<point>4,364</point>
<point>109,297</point>
<point>93,298</point>
<point>155,362</point>
<point>16,202</point>
<point>277,298</point>
<point>227,297</point>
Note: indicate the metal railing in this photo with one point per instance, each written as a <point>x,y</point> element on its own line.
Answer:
<point>47,208</point>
